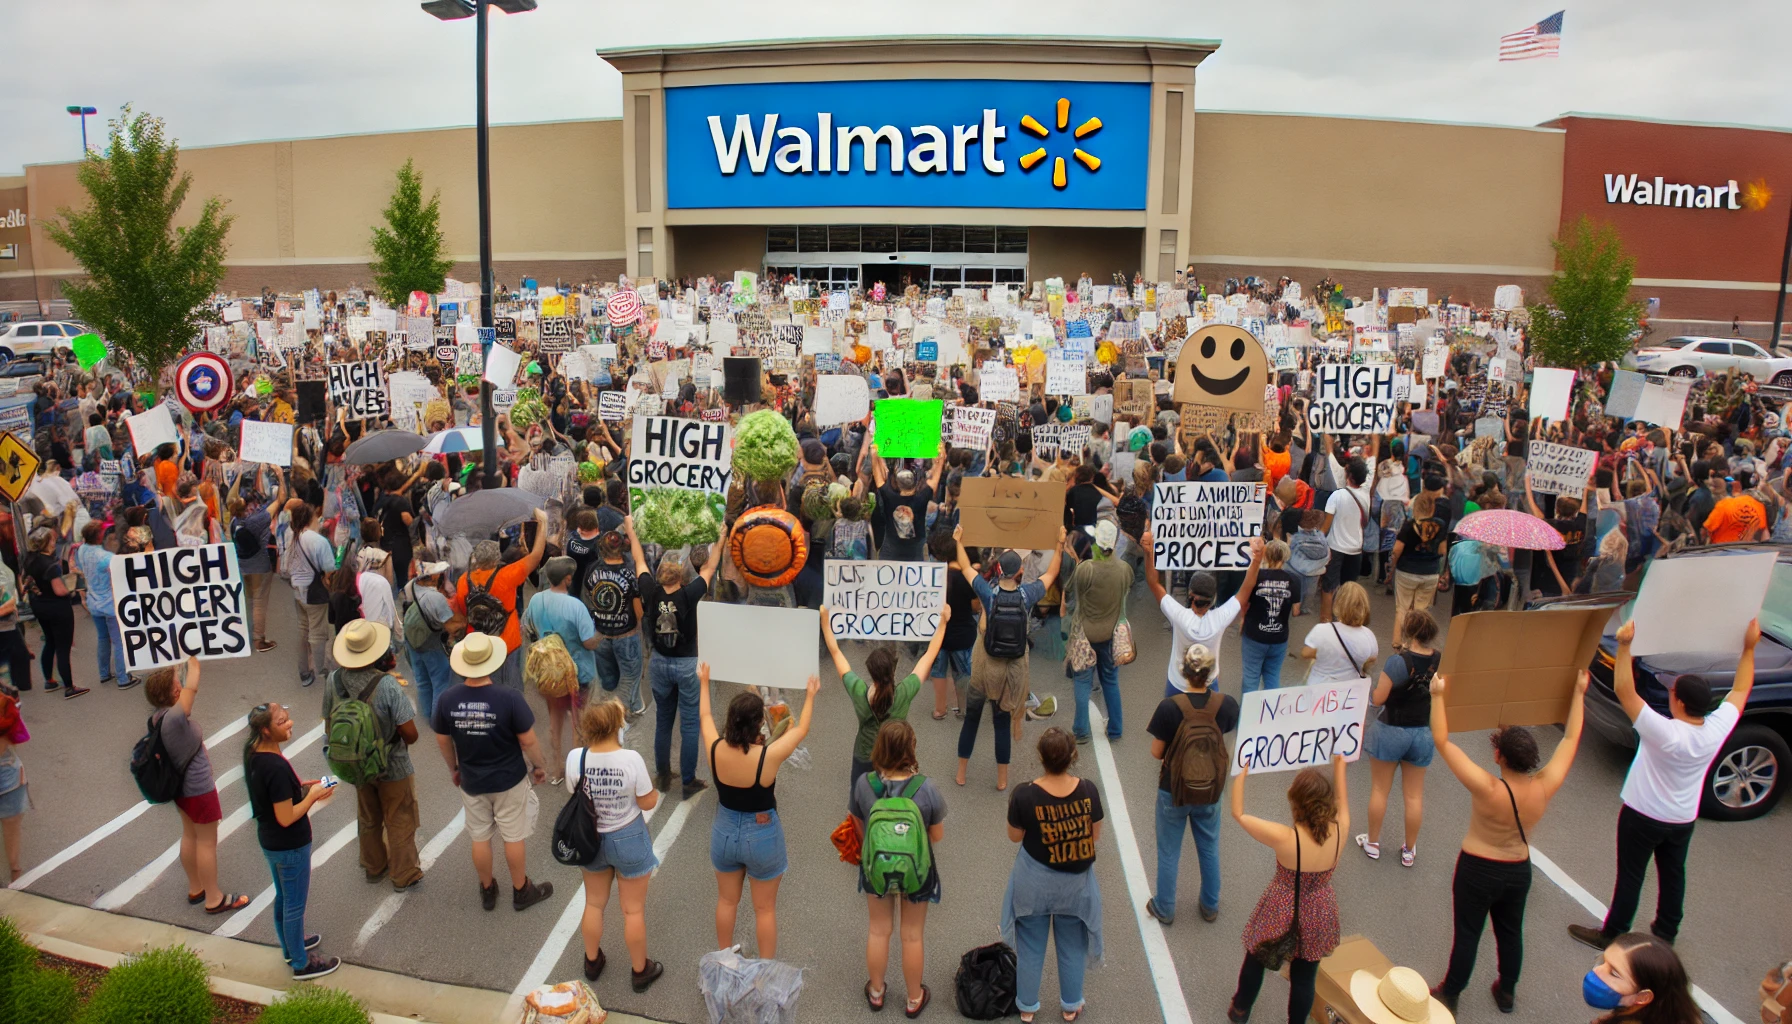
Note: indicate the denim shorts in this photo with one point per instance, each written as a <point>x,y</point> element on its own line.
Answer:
<point>629,850</point>
<point>738,841</point>
<point>960,662</point>
<point>1409,743</point>
<point>15,799</point>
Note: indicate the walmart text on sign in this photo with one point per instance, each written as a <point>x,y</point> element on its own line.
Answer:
<point>937,143</point>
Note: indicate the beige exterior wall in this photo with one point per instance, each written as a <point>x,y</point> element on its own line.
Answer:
<point>718,250</point>
<point>1068,252</point>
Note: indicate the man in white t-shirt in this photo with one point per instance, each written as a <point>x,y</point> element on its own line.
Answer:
<point>1200,622</point>
<point>1346,517</point>
<point>1661,793</point>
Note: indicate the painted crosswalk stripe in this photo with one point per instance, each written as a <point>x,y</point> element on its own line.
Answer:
<point>98,835</point>
<point>389,907</point>
<point>265,899</point>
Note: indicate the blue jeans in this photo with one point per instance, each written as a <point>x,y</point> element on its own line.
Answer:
<point>433,678</point>
<point>1072,940</point>
<point>674,682</point>
<point>1262,664</point>
<point>292,887</point>
<point>974,700</point>
<point>1204,822</point>
<point>1084,682</point>
<point>111,645</point>
<point>619,664</point>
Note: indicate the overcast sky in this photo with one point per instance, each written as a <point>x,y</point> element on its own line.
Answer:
<point>222,71</point>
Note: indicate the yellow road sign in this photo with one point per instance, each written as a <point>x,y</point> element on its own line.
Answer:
<point>18,466</point>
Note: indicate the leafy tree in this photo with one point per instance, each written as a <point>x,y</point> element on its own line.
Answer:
<point>147,281</point>
<point>407,249</point>
<point>1590,317</point>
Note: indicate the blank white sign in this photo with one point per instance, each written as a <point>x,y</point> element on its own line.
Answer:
<point>759,646</point>
<point>267,442</point>
<point>1700,604</point>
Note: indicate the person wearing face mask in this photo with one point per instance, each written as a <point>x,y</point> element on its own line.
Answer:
<point>1639,980</point>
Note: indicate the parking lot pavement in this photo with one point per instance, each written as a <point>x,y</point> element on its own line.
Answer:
<point>90,840</point>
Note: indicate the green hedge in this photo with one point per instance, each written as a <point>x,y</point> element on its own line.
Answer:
<point>308,1004</point>
<point>42,994</point>
<point>158,986</point>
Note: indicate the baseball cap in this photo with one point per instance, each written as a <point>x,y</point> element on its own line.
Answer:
<point>1203,587</point>
<point>1106,534</point>
<point>1197,659</point>
<point>1009,563</point>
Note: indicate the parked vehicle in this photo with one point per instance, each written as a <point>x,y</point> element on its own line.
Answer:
<point>37,338</point>
<point>1693,356</point>
<point>1749,776</point>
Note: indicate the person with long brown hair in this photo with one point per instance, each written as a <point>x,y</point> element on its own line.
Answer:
<point>282,804</point>
<point>882,698</point>
<point>894,764</point>
<point>1306,854</point>
<point>1640,980</point>
<point>197,803</point>
<point>616,782</point>
<point>746,843</point>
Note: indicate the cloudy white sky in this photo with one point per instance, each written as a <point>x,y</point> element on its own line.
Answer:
<point>223,71</point>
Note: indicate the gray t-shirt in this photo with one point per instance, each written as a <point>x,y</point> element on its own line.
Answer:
<point>262,526</point>
<point>391,709</point>
<point>181,737</point>
<point>927,798</point>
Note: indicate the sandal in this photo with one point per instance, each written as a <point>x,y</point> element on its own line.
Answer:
<point>1407,853</point>
<point>911,1012</point>
<point>939,716</point>
<point>875,1002</point>
<point>1373,850</point>
<point>231,901</point>
<point>1025,1017</point>
<point>195,898</point>
<point>1071,1015</point>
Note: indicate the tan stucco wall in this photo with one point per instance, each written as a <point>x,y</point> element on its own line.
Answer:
<point>718,249</point>
<point>1068,252</point>
<point>1350,194</point>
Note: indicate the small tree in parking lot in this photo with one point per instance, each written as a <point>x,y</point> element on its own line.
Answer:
<point>147,280</point>
<point>1590,317</point>
<point>407,249</point>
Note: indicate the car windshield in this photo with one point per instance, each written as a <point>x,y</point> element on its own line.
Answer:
<point>1672,343</point>
<point>1776,610</point>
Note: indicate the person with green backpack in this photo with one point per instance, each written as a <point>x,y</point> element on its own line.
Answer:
<point>901,815</point>
<point>370,726</point>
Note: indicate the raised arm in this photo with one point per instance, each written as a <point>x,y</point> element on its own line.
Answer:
<point>799,730</point>
<point>1465,769</point>
<point>841,665</point>
<point>925,664</point>
<point>964,558</point>
<point>634,544</point>
<point>939,466</point>
<point>189,689</point>
<point>1268,833</point>
<point>1624,677</point>
<point>1050,575</point>
<point>706,719</point>
<point>1556,771</point>
<point>1745,667</point>
<point>1249,583</point>
<point>533,558</point>
<point>708,572</point>
<point>1339,792</point>
<point>1151,580</point>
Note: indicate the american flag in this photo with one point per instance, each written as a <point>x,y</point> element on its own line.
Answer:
<point>1543,39</point>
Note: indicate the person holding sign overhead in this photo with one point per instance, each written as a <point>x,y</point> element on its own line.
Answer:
<point>882,699</point>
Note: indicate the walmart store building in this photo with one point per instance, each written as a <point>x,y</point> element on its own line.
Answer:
<point>963,160</point>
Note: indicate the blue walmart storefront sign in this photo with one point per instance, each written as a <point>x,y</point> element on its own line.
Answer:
<point>1017,145</point>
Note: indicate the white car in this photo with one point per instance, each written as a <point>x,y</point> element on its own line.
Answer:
<point>1694,356</point>
<point>37,337</point>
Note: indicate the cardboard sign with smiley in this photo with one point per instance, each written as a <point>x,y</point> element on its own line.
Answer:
<point>1222,366</point>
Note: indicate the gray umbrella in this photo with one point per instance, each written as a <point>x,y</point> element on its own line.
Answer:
<point>483,513</point>
<point>383,446</point>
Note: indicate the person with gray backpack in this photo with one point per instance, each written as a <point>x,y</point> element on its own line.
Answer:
<point>1188,736</point>
<point>370,726</point>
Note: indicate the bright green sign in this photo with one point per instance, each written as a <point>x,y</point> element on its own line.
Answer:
<point>908,428</point>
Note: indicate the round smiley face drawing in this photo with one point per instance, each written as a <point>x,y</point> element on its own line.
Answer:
<point>1223,366</point>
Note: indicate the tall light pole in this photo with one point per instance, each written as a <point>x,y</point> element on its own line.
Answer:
<point>1779,305</point>
<point>82,113</point>
<point>455,10</point>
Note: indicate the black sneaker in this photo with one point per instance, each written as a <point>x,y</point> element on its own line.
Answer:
<point>1501,998</point>
<point>71,692</point>
<point>644,978</point>
<point>1164,919</point>
<point>694,787</point>
<point>663,781</point>
<point>1586,936</point>
<point>317,967</point>
<point>530,894</point>
<point>128,681</point>
<point>488,895</point>
<point>593,968</point>
<point>311,941</point>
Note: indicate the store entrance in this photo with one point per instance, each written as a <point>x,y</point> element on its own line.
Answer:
<point>895,276</point>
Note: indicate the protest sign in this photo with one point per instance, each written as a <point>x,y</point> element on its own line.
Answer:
<point>1099,408</point>
<point>884,600</point>
<point>1205,525</point>
<point>1353,399</point>
<point>841,398</point>
<point>1065,376</point>
<point>1559,468</point>
<point>359,389</point>
<point>689,455</point>
<point>1663,401</point>
<point>1490,426</point>
<point>180,602</point>
<point>1133,399</point>
<point>1551,389</point>
<point>556,334</point>
<point>1005,512</point>
<point>612,405</point>
<point>266,442</point>
<point>1626,391</point>
<point>971,427</point>
<point>1519,668</point>
<point>151,429</point>
<point>1702,603</point>
<point>755,645</point>
<point>998,384</point>
<point>501,365</point>
<point>1437,357</point>
<point>908,428</point>
<point>1300,726</point>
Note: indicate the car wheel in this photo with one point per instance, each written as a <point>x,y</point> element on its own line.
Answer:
<point>1748,776</point>
<point>1684,371</point>
<point>1783,379</point>
<point>6,356</point>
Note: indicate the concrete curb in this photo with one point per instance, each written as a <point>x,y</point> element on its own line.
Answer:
<point>246,970</point>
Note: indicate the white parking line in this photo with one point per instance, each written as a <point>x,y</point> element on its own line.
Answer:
<point>146,876</point>
<point>137,810</point>
<point>265,899</point>
<point>1164,977</point>
<point>1580,895</point>
<point>388,909</point>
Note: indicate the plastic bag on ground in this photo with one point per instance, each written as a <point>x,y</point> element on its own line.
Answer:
<point>570,1002</point>
<point>739,990</point>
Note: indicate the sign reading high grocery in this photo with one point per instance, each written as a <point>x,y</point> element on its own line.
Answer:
<point>689,455</point>
<point>180,602</point>
<point>1353,399</point>
<point>884,600</point>
<point>933,143</point>
<point>360,389</point>
<point>1205,525</point>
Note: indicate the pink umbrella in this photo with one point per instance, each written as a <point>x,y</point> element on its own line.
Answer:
<point>1510,528</point>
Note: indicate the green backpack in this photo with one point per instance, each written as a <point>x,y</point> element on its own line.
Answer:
<point>353,748</point>
<point>896,855</point>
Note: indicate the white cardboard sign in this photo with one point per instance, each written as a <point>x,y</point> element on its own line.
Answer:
<point>151,429</point>
<point>884,600</point>
<point>691,455</point>
<point>1551,389</point>
<point>758,646</point>
<point>1300,726</point>
<point>1351,399</point>
<point>841,398</point>
<point>180,602</point>
<point>1701,604</point>
<point>359,389</point>
<point>1205,525</point>
<point>612,405</point>
<point>266,442</point>
<point>1559,468</point>
<point>999,384</point>
<point>971,427</point>
<point>1065,377</point>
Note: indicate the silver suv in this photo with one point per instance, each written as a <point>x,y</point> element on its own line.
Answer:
<point>37,337</point>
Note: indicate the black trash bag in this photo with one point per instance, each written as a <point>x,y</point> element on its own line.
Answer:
<point>985,985</point>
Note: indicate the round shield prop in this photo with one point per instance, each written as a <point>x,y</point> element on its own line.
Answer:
<point>202,382</point>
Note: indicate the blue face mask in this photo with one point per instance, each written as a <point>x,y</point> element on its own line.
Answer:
<point>1598,994</point>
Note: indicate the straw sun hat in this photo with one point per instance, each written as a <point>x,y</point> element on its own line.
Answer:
<point>361,643</point>
<point>1399,997</point>
<point>478,656</point>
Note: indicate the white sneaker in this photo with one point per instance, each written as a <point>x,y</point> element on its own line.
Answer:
<point>1373,850</point>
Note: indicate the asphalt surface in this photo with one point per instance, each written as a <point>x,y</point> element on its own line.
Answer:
<point>1735,922</point>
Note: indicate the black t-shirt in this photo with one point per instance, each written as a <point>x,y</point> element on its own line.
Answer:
<point>583,552</point>
<point>672,616</point>
<point>610,592</point>
<point>1424,540</point>
<point>271,780</point>
<point>1271,605</point>
<point>1059,831</point>
<point>1574,533</point>
<point>484,723</point>
<point>394,534</point>
<point>1080,504</point>
<point>905,522</point>
<point>41,569</point>
<point>961,630</point>
<point>1409,700</point>
<point>1168,718</point>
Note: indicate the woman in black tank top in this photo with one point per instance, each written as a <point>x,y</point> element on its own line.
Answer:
<point>746,843</point>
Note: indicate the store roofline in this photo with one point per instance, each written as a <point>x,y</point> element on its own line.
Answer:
<point>1591,115</point>
<point>1378,117</point>
<point>885,40</point>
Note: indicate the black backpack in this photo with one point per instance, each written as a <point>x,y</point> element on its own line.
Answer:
<point>575,839</point>
<point>485,613</point>
<point>247,544</point>
<point>1005,634</point>
<point>158,776</point>
<point>985,984</point>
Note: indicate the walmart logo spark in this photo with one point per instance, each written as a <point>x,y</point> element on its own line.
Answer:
<point>1037,156</point>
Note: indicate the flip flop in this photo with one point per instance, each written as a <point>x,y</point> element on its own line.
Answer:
<point>231,901</point>
<point>939,716</point>
<point>926,997</point>
<point>1072,1015</point>
<point>877,1004</point>
<point>195,898</point>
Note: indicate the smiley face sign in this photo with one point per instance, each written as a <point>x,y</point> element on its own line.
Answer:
<point>1222,366</point>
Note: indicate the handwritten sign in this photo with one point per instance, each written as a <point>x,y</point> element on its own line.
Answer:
<point>1559,468</point>
<point>841,398</point>
<point>971,427</point>
<point>908,428</point>
<point>1300,726</point>
<point>1065,376</point>
<point>180,602</point>
<point>884,600</point>
<point>612,405</point>
<point>999,383</point>
<point>1004,512</point>
<point>266,442</point>
<point>359,389</point>
<point>1353,399</point>
<point>1205,525</point>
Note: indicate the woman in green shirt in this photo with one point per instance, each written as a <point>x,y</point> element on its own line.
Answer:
<point>882,699</point>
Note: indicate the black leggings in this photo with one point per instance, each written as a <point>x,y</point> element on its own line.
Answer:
<point>1301,976</point>
<point>57,617</point>
<point>1488,888</point>
<point>17,657</point>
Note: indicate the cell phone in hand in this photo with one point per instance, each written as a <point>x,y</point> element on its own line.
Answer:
<point>328,781</point>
